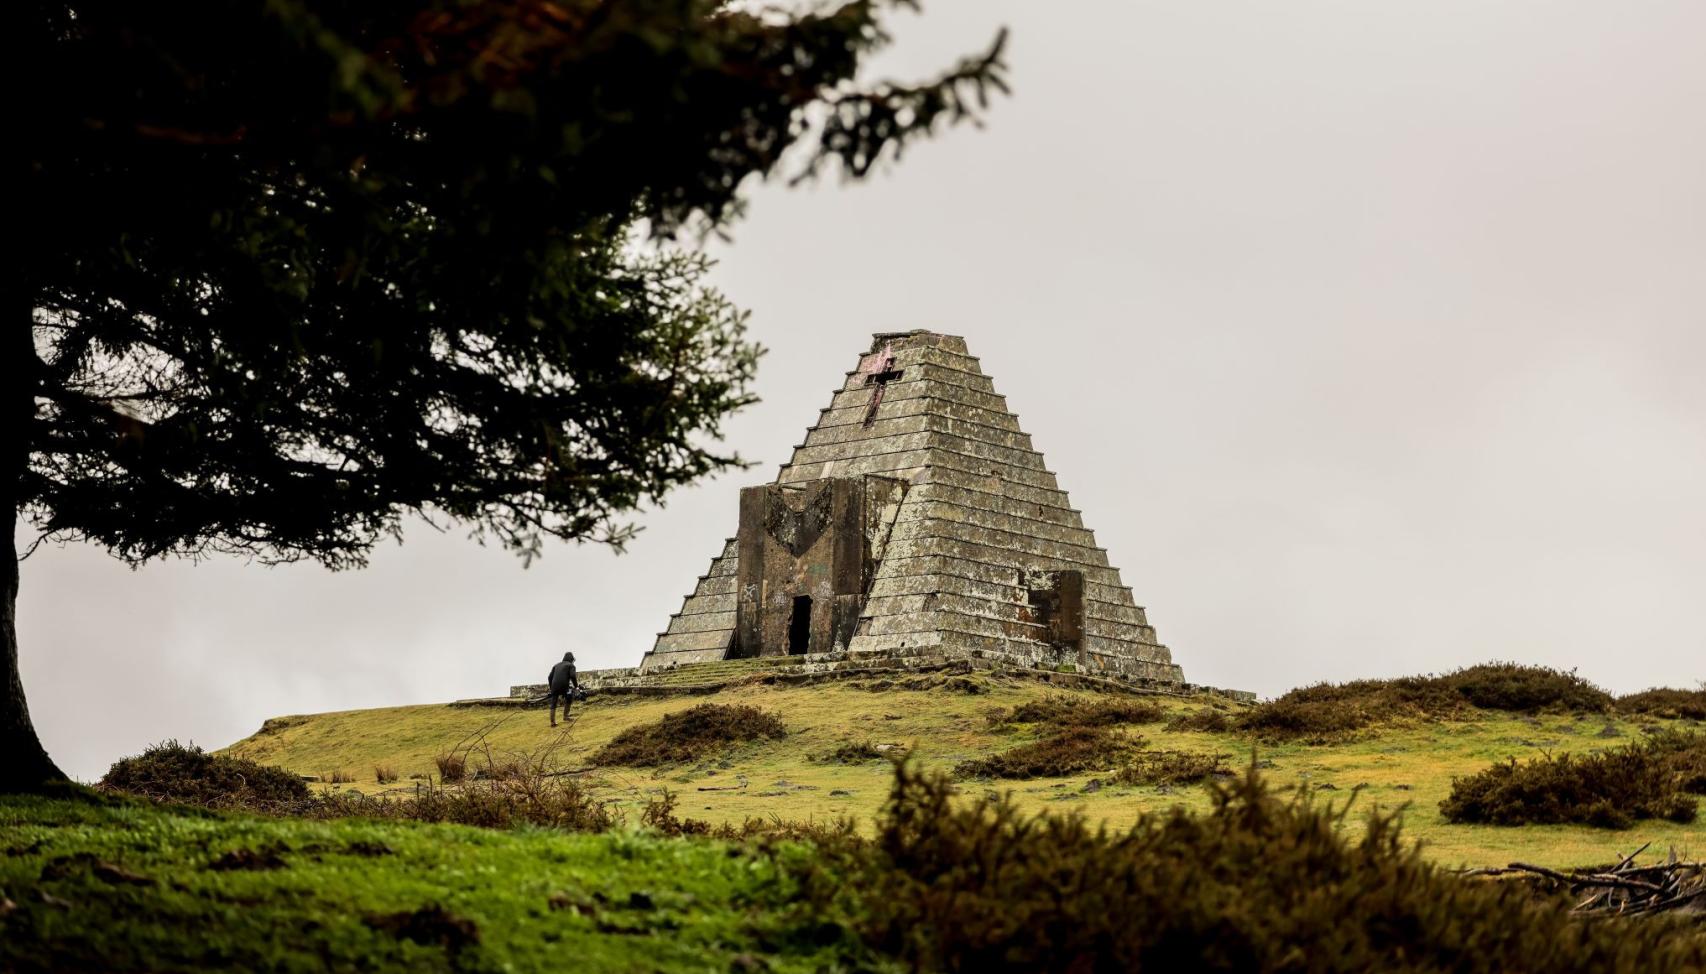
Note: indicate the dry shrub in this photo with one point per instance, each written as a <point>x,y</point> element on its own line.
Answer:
<point>851,752</point>
<point>1319,713</point>
<point>659,816</point>
<point>1257,884</point>
<point>1064,711</point>
<point>170,771</point>
<point>842,832</point>
<point>1172,768</point>
<point>1205,719</point>
<point>500,769</point>
<point>384,774</point>
<point>1334,711</point>
<point>524,794</point>
<point>1074,750</point>
<point>452,767</point>
<point>688,735</point>
<point>1610,789</point>
<point>528,798</point>
<point>337,777</point>
<point>1666,702</point>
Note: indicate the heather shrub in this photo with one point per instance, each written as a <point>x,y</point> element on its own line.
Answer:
<point>1074,750</point>
<point>1609,789</point>
<point>170,771</point>
<point>1685,753</point>
<point>1172,768</point>
<point>530,798</point>
<point>1257,884</point>
<point>1065,711</point>
<point>1333,711</point>
<point>837,834</point>
<point>688,735</point>
<point>851,752</point>
<point>1316,713</point>
<point>1666,702</point>
<point>1525,689</point>
<point>1205,719</point>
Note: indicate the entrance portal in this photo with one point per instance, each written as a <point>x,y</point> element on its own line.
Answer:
<point>800,626</point>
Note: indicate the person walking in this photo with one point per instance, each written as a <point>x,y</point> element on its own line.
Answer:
<point>564,683</point>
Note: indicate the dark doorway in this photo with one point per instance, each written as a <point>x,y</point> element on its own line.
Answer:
<point>800,626</point>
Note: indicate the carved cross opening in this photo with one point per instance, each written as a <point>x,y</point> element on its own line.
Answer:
<point>880,381</point>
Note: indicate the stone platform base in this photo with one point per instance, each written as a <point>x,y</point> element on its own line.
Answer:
<point>691,678</point>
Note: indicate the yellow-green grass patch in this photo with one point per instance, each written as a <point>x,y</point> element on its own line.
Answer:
<point>1410,764</point>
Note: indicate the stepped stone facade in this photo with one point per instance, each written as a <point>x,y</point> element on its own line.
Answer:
<point>915,520</point>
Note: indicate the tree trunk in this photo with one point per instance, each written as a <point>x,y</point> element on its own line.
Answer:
<point>24,765</point>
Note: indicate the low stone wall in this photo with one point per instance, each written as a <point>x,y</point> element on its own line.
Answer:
<point>589,680</point>
<point>688,678</point>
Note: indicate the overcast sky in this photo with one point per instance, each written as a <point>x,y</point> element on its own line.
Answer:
<point>1369,337</point>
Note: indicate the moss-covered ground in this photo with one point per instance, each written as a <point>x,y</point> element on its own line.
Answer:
<point>94,885</point>
<point>944,721</point>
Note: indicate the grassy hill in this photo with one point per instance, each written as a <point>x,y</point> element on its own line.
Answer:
<point>88,884</point>
<point>944,721</point>
<point>1251,880</point>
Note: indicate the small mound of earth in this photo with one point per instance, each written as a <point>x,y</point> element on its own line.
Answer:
<point>240,860</point>
<point>429,925</point>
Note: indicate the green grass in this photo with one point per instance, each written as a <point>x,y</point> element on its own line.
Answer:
<point>95,883</point>
<point>619,901</point>
<point>1408,764</point>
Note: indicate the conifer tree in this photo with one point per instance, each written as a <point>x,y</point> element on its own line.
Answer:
<point>298,270</point>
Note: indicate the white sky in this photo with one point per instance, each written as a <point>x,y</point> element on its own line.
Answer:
<point>1370,339</point>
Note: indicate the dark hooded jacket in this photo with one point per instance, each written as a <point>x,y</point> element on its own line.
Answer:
<point>563,675</point>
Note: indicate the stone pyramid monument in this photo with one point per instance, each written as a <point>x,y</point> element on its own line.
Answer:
<point>915,521</point>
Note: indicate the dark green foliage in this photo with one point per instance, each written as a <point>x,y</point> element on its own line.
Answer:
<point>1666,702</point>
<point>1525,689</point>
<point>1064,711</point>
<point>1258,884</point>
<point>687,735</point>
<point>1609,789</point>
<point>298,268</point>
<point>298,271</point>
<point>1331,711</point>
<point>1172,768</point>
<point>1073,750</point>
<point>1685,752</point>
<point>1205,719</point>
<point>169,771</point>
